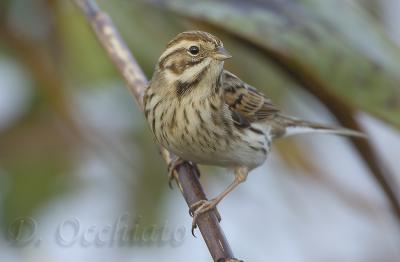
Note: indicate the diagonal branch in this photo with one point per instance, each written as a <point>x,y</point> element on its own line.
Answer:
<point>341,110</point>
<point>186,175</point>
<point>345,114</point>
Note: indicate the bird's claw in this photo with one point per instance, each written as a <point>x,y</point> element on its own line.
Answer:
<point>174,164</point>
<point>201,207</point>
<point>198,204</point>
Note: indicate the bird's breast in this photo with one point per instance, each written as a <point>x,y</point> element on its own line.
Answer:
<point>203,132</point>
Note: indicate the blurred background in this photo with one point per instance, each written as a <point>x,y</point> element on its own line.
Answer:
<point>82,180</point>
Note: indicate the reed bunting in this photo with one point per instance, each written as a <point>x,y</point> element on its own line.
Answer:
<point>207,115</point>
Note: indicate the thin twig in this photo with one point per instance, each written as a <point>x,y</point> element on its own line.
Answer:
<point>51,86</point>
<point>186,175</point>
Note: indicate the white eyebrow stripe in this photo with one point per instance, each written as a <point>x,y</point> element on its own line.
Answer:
<point>181,44</point>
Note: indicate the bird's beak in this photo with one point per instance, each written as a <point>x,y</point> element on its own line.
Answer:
<point>221,54</point>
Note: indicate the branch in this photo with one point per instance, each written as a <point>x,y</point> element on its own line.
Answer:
<point>342,111</point>
<point>345,114</point>
<point>44,69</point>
<point>186,175</point>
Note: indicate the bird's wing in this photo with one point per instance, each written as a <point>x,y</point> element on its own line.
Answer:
<point>247,104</point>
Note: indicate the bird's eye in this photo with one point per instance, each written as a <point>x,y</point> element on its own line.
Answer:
<point>194,50</point>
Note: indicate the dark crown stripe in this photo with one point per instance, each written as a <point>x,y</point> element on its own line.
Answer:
<point>195,36</point>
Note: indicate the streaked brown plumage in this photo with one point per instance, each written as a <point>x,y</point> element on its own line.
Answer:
<point>207,115</point>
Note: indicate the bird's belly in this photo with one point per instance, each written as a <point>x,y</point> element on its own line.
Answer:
<point>245,150</point>
<point>240,156</point>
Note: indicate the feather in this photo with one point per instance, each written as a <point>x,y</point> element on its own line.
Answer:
<point>294,126</point>
<point>246,103</point>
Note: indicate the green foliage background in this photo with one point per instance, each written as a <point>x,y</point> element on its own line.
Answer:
<point>343,49</point>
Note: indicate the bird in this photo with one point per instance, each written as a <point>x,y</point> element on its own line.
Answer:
<point>206,115</point>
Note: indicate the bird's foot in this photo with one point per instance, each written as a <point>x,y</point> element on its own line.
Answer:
<point>201,207</point>
<point>174,164</point>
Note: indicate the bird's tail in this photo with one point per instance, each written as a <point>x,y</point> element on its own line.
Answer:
<point>295,126</point>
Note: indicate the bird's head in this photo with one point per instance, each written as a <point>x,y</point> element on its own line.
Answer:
<point>192,55</point>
